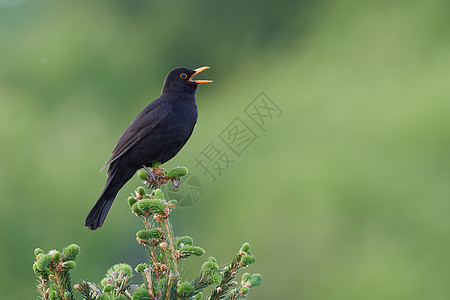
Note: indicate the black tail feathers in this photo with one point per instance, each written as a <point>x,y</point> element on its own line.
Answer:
<point>98,213</point>
<point>116,179</point>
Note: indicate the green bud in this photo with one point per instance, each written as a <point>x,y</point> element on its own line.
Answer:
<point>144,204</point>
<point>148,234</point>
<point>156,164</point>
<point>141,191</point>
<point>244,290</point>
<point>210,270</point>
<point>247,259</point>
<point>131,200</point>
<point>135,209</point>
<point>185,240</point>
<point>155,206</point>
<point>246,248</point>
<point>38,251</point>
<point>158,194</point>
<point>56,256</point>
<point>45,274</point>
<point>185,288</point>
<point>177,172</point>
<point>216,278</point>
<point>42,265</point>
<point>210,265</point>
<point>142,174</point>
<point>255,280</point>
<point>246,277</point>
<point>141,294</point>
<point>67,295</point>
<point>188,250</point>
<point>70,252</point>
<point>141,267</point>
<point>53,295</point>
<point>70,264</point>
<point>103,282</point>
<point>103,297</point>
<point>45,261</point>
<point>198,296</point>
<point>108,288</point>
<point>126,268</point>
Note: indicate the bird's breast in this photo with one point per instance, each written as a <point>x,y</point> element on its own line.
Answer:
<point>167,139</point>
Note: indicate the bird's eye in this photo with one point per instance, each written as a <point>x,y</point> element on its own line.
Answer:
<point>183,75</point>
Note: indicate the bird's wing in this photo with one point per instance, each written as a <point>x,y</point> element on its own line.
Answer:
<point>143,125</point>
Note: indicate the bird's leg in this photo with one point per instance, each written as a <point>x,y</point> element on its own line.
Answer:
<point>150,176</point>
<point>155,177</point>
<point>146,169</point>
<point>159,176</point>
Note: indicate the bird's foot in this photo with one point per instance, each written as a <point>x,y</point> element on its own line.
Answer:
<point>155,177</point>
<point>146,169</point>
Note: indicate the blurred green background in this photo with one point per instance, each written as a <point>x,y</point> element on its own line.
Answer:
<point>346,195</point>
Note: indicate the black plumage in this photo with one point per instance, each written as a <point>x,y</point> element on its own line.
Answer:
<point>157,134</point>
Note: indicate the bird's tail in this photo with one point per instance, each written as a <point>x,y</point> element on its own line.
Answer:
<point>116,179</point>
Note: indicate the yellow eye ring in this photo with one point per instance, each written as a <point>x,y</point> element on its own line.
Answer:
<point>183,75</point>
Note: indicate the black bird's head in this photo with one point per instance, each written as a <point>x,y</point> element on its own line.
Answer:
<point>180,81</point>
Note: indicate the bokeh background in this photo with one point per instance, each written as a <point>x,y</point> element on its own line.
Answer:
<point>346,195</point>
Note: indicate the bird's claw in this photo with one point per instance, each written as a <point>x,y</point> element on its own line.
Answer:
<point>155,177</point>
<point>151,179</point>
<point>147,169</point>
<point>176,184</point>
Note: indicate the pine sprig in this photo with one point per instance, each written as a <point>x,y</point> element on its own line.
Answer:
<point>161,274</point>
<point>52,270</point>
<point>228,274</point>
<point>242,259</point>
<point>40,286</point>
<point>87,290</point>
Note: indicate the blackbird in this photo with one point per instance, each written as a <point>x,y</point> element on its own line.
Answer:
<point>158,132</point>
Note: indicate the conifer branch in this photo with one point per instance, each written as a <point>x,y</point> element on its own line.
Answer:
<point>161,273</point>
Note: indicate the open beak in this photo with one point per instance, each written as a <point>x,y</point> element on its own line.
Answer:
<point>198,70</point>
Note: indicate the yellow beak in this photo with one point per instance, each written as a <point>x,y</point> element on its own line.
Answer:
<point>198,70</point>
